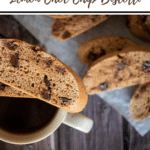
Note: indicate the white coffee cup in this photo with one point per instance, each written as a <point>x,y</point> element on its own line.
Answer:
<point>76,121</point>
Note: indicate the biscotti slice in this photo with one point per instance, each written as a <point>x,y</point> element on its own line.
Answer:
<point>8,91</point>
<point>140,102</point>
<point>62,29</point>
<point>139,25</point>
<point>98,47</point>
<point>129,67</point>
<point>31,70</point>
<point>60,16</point>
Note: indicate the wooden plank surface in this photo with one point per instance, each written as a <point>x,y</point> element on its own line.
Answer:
<point>110,131</point>
<point>106,133</point>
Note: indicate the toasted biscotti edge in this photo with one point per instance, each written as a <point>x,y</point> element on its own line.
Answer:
<point>83,96</point>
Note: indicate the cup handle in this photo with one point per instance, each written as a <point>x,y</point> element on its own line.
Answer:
<point>79,122</point>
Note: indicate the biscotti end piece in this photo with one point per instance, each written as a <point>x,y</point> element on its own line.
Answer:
<point>98,47</point>
<point>140,102</point>
<point>129,67</point>
<point>31,70</point>
<point>139,25</point>
<point>63,29</point>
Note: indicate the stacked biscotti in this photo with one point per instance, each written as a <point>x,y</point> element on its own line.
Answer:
<point>117,62</point>
<point>28,71</point>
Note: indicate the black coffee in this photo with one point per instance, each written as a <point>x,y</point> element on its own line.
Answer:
<point>24,115</point>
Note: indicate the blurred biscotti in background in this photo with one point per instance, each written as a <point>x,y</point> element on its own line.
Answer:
<point>131,66</point>
<point>93,49</point>
<point>63,29</point>
<point>140,102</point>
<point>139,25</point>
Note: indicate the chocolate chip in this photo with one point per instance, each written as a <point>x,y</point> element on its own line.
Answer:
<point>11,45</point>
<point>131,75</point>
<point>49,63</point>
<point>37,60</point>
<point>143,18</point>
<point>149,108</point>
<point>46,94</point>
<point>14,60</point>
<point>93,19</point>
<point>32,84</point>
<point>116,74</point>
<point>146,65</point>
<point>119,56</point>
<point>46,80</point>
<point>38,55</point>
<point>36,48</point>
<point>104,85</point>
<point>143,87</point>
<point>58,26</point>
<point>64,99</point>
<point>60,70</point>
<point>93,56</point>
<point>66,35</point>
<point>121,65</point>
<point>2,86</point>
<point>119,49</point>
<point>120,79</point>
<point>136,96</point>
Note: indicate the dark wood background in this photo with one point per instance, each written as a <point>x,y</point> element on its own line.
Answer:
<point>110,131</point>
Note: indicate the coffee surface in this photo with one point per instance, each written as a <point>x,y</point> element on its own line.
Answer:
<point>22,115</point>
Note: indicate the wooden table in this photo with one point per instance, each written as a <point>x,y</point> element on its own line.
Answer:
<point>110,131</point>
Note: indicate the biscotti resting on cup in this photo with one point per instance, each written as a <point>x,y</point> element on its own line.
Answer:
<point>140,102</point>
<point>63,29</point>
<point>31,70</point>
<point>93,49</point>
<point>139,25</point>
<point>129,67</point>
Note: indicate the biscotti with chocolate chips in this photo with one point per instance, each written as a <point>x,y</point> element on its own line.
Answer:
<point>129,67</point>
<point>139,25</point>
<point>140,102</point>
<point>98,47</point>
<point>8,91</point>
<point>63,29</point>
<point>31,70</point>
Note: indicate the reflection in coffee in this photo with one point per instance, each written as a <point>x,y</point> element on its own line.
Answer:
<point>24,115</point>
